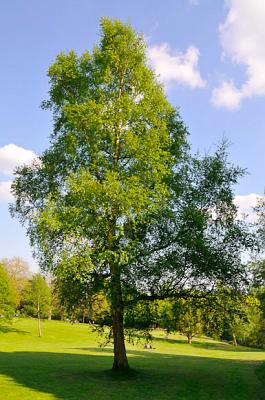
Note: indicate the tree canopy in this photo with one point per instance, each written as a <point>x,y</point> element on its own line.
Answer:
<point>18,272</point>
<point>37,298</point>
<point>7,297</point>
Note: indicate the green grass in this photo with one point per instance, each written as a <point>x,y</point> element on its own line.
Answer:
<point>66,363</point>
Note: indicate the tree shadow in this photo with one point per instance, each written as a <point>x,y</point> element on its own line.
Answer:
<point>154,376</point>
<point>10,329</point>
<point>223,346</point>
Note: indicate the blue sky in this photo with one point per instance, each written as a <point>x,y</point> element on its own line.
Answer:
<point>209,54</point>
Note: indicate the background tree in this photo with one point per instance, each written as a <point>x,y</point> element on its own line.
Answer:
<point>37,299</point>
<point>258,273</point>
<point>190,313</point>
<point>59,310</point>
<point>182,315</point>
<point>93,309</point>
<point>19,274</point>
<point>228,313</point>
<point>7,297</point>
<point>166,315</point>
<point>255,331</point>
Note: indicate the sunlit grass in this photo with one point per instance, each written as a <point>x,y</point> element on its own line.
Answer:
<point>67,363</point>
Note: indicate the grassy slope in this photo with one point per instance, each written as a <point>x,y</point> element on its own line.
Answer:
<point>66,363</point>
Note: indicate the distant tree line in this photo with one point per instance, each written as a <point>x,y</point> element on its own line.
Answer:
<point>225,313</point>
<point>25,294</point>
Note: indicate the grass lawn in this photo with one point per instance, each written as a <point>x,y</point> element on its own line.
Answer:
<point>66,363</point>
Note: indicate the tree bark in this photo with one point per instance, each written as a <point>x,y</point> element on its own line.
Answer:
<point>39,326</point>
<point>189,338</point>
<point>234,339</point>
<point>120,362</point>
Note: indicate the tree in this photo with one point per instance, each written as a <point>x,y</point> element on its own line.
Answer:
<point>7,297</point>
<point>228,313</point>
<point>112,205</point>
<point>37,299</point>
<point>256,331</point>
<point>58,308</point>
<point>19,274</point>
<point>258,273</point>
<point>181,315</point>
<point>116,141</point>
<point>166,316</point>
<point>190,313</point>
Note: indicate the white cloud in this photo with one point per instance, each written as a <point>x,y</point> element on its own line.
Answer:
<point>12,156</point>
<point>174,67</point>
<point>242,37</point>
<point>226,95</point>
<point>245,204</point>
<point>5,194</point>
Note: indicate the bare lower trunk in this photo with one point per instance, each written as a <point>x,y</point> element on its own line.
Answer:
<point>39,326</point>
<point>189,336</point>
<point>234,339</point>
<point>120,362</point>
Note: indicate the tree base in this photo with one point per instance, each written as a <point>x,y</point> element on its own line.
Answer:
<point>122,375</point>
<point>121,368</point>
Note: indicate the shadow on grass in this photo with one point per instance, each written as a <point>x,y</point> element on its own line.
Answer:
<point>209,345</point>
<point>154,376</point>
<point>10,329</point>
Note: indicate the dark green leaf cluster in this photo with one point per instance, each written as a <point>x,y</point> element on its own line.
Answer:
<point>7,297</point>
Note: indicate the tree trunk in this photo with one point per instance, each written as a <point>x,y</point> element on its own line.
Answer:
<point>120,362</point>
<point>189,338</point>
<point>234,339</point>
<point>39,327</point>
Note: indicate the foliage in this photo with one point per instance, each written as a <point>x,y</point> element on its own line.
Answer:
<point>19,274</point>
<point>253,334</point>
<point>59,310</point>
<point>182,315</point>
<point>190,317</point>
<point>258,272</point>
<point>197,242</point>
<point>166,318</point>
<point>7,297</point>
<point>37,297</point>
<point>94,309</point>
<point>140,316</point>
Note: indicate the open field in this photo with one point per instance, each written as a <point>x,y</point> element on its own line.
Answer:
<point>66,363</point>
